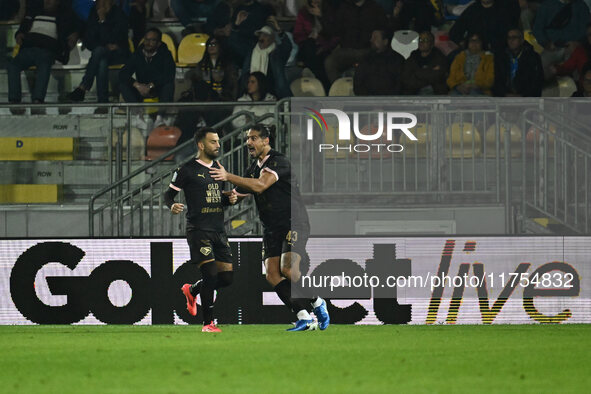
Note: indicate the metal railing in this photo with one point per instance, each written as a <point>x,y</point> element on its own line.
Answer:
<point>458,158</point>
<point>469,152</point>
<point>555,170</point>
<point>138,211</point>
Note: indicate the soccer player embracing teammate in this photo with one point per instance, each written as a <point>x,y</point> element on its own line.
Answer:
<point>285,222</point>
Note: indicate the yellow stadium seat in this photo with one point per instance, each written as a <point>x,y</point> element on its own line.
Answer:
<point>30,194</point>
<point>37,148</point>
<point>237,223</point>
<point>416,148</point>
<point>170,44</point>
<point>307,87</point>
<point>462,136</point>
<point>491,141</point>
<point>191,49</point>
<point>342,87</point>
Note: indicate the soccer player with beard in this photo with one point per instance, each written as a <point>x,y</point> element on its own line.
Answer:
<point>206,236</point>
<point>285,222</point>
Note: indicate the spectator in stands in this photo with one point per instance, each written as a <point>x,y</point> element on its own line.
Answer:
<point>379,74</point>
<point>310,35</point>
<point>257,89</point>
<point>580,56</point>
<point>585,90</point>
<point>191,12</point>
<point>472,72</point>
<point>106,37</point>
<point>558,22</point>
<point>487,17</point>
<point>249,16</point>
<point>269,56</point>
<point>425,71</point>
<point>216,72</point>
<point>135,10</point>
<point>417,15</point>
<point>48,33</point>
<point>355,22</point>
<point>518,69</point>
<point>154,71</point>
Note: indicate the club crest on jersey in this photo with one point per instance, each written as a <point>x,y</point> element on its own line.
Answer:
<point>206,250</point>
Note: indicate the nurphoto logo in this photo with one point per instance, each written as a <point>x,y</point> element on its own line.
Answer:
<point>402,121</point>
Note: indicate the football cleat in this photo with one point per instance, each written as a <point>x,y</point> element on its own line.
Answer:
<point>191,301</point>
<point>321,313</point>
<point>304,325</point>
<point>211,327</point>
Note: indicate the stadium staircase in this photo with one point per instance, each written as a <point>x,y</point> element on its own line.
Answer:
<point>134,206</point>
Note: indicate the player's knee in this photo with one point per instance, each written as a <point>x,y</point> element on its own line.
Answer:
<point>209,274</point>
<point>225,278</point>
<point>286,271</point>
<point>273,277</point>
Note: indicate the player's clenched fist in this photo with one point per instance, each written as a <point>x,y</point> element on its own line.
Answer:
<point>232,197</point>
<point>177,208</point>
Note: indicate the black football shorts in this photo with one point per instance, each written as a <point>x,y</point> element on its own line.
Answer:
<point>209,245</point>
<point>275,243</point>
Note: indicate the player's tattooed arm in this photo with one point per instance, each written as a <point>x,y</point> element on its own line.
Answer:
<point>252,184</point>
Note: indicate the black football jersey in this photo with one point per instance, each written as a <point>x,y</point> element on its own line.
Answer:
<point>281,205</point>
<point>203,195</point>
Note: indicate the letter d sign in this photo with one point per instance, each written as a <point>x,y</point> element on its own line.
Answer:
<point>19,144</point>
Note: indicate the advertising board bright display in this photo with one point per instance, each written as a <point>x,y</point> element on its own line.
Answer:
<point>377,280</point>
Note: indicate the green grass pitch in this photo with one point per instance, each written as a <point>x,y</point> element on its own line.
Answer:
<point>266,359</point>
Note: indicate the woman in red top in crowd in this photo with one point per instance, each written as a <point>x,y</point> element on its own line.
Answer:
<point>578,58</point>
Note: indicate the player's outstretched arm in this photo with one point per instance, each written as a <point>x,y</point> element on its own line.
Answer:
<point>252,184</point>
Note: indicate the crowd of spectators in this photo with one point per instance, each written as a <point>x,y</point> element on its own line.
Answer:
<point>249,56</point>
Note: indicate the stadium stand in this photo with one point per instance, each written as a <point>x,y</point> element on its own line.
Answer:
<point>416,148</point>
<point>342,87</point>
<point>464,140</point>
<point>37,148</point>
<point>307,87</point>
<point>491,140</point>
<point>92,162</point>
<point>161,140</point>
<point>30,194</point>
<point>138,143</point>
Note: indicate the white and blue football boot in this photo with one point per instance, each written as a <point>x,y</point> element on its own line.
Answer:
<point>304,325</point>
<point>321,313</point>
